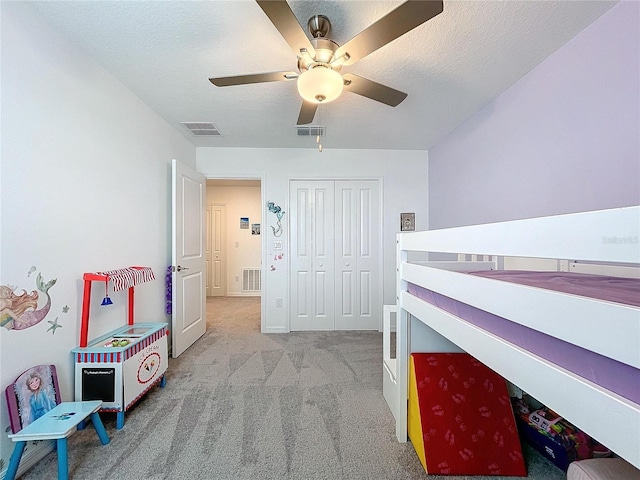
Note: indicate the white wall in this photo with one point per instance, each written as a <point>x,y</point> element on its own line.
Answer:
<point>85,179</point>
<point>243,250</point>
<point>403,177</point>
<point>563,139</point>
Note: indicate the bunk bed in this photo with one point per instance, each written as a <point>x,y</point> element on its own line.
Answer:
<point>545,342</point>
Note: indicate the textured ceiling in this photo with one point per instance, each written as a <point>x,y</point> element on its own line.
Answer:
<point>451,66</point>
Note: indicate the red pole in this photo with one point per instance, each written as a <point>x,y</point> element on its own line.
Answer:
<point>84,327</point>
<point>130,305</point>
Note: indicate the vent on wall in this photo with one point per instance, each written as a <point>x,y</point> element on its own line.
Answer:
<point>202,129</point>
<point>311,131</point>
<point>251,280</point>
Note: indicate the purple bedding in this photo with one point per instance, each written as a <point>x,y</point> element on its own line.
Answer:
<point>610,374</point>
<point>612,289</point>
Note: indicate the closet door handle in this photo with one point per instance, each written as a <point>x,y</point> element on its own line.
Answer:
<point>180,268</point>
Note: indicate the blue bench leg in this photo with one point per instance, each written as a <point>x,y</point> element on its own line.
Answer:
<point>82,425</point>
<point>163,382</point>
<point>99,426</point>
<point>63,459</point>
<point>15,461</point>
<point>119,420</point>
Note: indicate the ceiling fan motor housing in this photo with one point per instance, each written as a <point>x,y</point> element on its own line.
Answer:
<point>325,49</point>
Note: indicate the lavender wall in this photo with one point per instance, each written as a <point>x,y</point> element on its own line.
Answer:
<point>564,138</point>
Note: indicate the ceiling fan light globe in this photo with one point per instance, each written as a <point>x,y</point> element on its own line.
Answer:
<point>320,84</point>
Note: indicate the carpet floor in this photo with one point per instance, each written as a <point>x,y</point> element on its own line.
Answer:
<point>243,405</point>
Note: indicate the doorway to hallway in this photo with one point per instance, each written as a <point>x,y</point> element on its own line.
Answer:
<point>234,239</point>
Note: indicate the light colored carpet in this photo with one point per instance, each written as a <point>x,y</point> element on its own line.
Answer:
<point>243,405</point>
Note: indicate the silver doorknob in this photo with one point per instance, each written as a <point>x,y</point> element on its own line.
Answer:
<point>180,268</point>
<point>347,264</point>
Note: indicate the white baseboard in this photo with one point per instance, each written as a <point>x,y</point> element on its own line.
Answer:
<point>243,294</point>
<point>275,330</point>
<point>33,453</point>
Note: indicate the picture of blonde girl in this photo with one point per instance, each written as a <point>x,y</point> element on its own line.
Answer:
<point>39,401</point>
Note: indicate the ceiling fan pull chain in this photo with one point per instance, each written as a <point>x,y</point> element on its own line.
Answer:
<point>319,127</point>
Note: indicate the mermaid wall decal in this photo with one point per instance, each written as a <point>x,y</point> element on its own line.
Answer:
<point>273,208</point>
<point>19,311</point>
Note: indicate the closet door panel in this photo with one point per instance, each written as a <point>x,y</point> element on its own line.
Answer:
<point>345,253</point>
<point>357,260</point>
<point>312,253</point>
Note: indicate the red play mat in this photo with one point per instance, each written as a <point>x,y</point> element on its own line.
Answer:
<point>462,420</point>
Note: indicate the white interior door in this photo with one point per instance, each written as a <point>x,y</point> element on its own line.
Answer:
<point>209,253</point>
<point>218,251</point>
<point>312,255</point>
<point>188,257</point>
<point>357,263</point>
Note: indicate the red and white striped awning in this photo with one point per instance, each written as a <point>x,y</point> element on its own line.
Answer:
<point>128,277</point>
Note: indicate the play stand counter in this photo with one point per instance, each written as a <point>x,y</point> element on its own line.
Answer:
<point>121,366</point>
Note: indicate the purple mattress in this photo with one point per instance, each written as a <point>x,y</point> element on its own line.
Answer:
<point>612,289</point>
<point>608,373</point>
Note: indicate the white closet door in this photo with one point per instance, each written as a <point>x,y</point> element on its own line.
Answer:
<point>312,255</point>
<point>357,263</point>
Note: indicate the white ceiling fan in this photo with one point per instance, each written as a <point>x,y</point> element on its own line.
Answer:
<point>320,59</point>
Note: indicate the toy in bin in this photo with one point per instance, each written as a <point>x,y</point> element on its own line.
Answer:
<point>554,437</point>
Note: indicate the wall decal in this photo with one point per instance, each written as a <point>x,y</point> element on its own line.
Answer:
<point>276,257</point>
<point>273,208</point>
<point>19,311</point>
<point>53,326</point>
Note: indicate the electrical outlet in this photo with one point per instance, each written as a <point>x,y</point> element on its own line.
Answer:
<point>237,279</point>
<point>279,302</point>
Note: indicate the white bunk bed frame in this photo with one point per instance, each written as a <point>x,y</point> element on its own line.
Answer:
<point>605,236</point>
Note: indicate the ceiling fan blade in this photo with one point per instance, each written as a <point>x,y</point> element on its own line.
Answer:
<point>307,112</point>
<point>253,78</point>
<point>396,23</point>
<point>287,24</point>
<point>373,90</point>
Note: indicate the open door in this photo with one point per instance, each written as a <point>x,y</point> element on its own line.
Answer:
<point>188,257</point>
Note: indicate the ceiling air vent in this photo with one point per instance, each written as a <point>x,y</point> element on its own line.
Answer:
<point>202,129</point>
<point>311,131</point>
